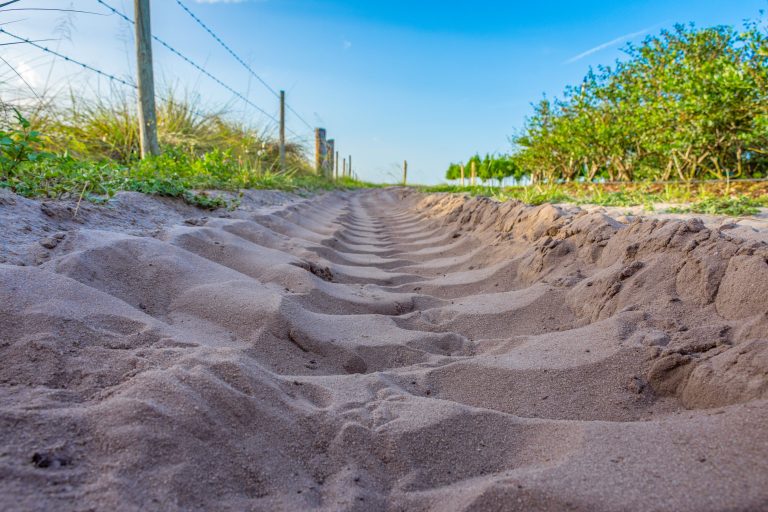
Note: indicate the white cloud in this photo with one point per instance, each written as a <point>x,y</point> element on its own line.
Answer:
<point>28,75</point>
<point>612,42</point>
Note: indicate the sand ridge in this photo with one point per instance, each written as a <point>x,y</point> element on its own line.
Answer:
<point>379,350</point>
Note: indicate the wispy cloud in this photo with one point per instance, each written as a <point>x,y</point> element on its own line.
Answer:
<point>612,42</point>
<point>346,44</point>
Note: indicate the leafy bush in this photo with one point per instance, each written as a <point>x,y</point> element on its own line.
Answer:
<point>687,104</point>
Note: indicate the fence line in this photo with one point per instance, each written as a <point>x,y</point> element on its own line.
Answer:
<point>86,66</point>
<point>198,67</point>
<point>179,54</point>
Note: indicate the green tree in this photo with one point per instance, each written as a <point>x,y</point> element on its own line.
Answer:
<point>453,172</point>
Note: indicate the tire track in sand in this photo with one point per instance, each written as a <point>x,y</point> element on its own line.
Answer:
<point>380,350</point>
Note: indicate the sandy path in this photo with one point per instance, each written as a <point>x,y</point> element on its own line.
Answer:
<point>379,350</point>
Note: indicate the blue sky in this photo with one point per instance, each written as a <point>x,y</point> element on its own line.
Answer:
<point>428,81</point>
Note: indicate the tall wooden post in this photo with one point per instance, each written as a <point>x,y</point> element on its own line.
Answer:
<point>405,172</point>
<point>350,166</point>
<point>282,131</point>
<point>462,175</point>
<point>344,169</point>
<point>336,161</point>
<point>474,174</point>
<point>319,150</point>
<point>145,80</point>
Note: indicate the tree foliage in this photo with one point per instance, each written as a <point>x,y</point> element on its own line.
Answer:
<point>686,104</point>
<point>453,172</point>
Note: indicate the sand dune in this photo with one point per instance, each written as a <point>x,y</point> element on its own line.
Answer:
<point>378,350</point>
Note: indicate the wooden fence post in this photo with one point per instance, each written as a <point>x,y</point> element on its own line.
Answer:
<point>320,150</point>
<point>336,161</point>
<point>145,80</point>
<point>462,175</point>
<point>330,153</point>
<point>405,172</point>
<point>474,174</point>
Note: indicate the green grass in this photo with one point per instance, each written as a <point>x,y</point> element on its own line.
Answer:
<point>170,174</point>
<point>534,194</point>
<point>734,199</point>
<point>732,206</point>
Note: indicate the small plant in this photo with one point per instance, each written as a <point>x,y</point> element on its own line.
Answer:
<point>18,144</point>
<point>205,200</point>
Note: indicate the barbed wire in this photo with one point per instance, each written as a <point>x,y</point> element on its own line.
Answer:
<point>209,75</point>
<point>22,40</point>
<point>68,59</point>
<point>227,48</point>
<point>240,60</point>
<point>199,68</point>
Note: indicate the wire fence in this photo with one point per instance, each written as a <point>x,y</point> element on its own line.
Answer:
<point>177,53</point>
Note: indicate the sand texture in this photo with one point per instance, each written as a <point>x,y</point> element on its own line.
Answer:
<point>378,351</point>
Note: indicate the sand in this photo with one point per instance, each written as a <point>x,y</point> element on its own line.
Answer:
<point>379,350</point>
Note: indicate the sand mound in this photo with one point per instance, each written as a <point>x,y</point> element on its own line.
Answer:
<point>378,350</point>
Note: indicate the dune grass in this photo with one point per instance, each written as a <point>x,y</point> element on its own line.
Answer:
<point>88,149</point>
